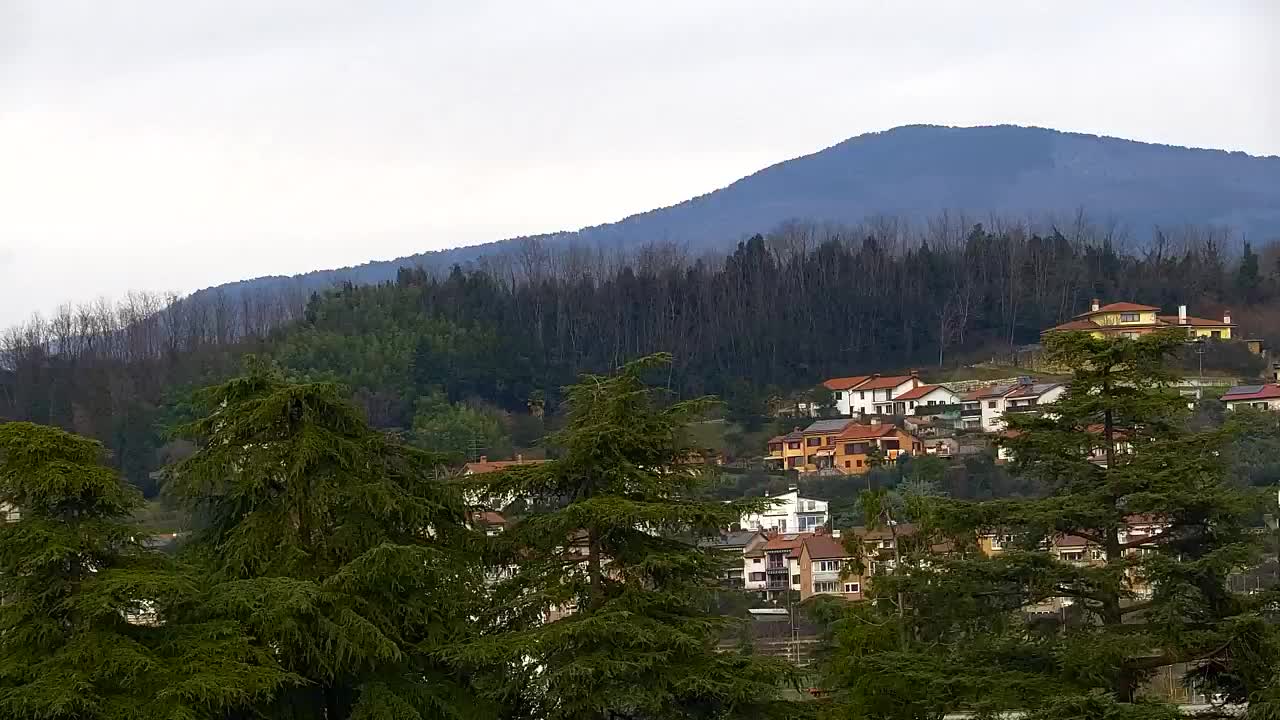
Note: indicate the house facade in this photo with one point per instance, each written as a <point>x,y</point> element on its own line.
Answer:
<point>1132,320</point>
<point>1257,397</point>
<point>772,568</point>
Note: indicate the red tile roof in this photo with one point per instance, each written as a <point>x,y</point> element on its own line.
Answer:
<point>866,432</point>
<point>1076,325</point>
<point>824,547</point>
<point>488,517</point>
<point>885,383</point>
<point>1270,391</point>
<point>845,383</point>
<point>786,541</point>
<point>919,392</point>
<point>1119,307</point>
<point>486,466</point>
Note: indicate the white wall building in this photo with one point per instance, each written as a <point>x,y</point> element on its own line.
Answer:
<point>1258,397</point>
<point>790,513</point>
<point>984,409</point>
<point>923,396</point>
<point>869,394</point>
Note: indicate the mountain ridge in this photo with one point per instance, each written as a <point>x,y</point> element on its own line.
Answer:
<point>915,171</point>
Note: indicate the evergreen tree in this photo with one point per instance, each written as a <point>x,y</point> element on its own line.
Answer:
<point>86,611</point>
<point>1248,276</point>
<point>336,544</point>
<point>1020,628</point>
<point>606,613</point>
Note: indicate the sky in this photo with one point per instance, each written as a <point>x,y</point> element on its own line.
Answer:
<point>177,144</point>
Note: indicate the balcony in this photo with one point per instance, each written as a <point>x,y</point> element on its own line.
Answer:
<point>971,412</point>
<point>1022,408</point>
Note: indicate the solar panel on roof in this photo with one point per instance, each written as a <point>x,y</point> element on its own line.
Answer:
<point>1247,389</point>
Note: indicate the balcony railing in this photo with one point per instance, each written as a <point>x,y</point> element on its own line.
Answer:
<point>971,412</point>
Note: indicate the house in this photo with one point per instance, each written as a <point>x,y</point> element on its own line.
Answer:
<point>1126,319</point>
<point>869,394</point>
<point>840,389</point>
<point>736,544</point>
<point>773,567</point>
<point>789,513</point>
<point>916,400</point>
<point>984,408</point>
<point>9,513</point>
<point>1260,397</point>
<point>822,562</point>
<point>786,452</point>
<point>853,450</point>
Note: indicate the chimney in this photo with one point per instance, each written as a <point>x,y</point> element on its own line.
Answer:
<point>915,373</point>
<point>1226,317</point>
<point>875,419</point>
<point>1182,314</point>
<point>519,458</point>
<point>484,459</point>
<point>1095,306</point>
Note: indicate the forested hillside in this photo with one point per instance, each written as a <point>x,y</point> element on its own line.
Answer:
<point>913,173</point>
<point>474,360</point>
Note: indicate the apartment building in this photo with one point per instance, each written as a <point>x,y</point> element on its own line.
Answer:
<point>869,394</point>
<point>923,396</point>
<point>840,446</point>
<point>772,568</point>
<point>790,513</point>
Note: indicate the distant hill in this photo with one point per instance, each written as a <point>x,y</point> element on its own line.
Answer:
<point>916,171</point>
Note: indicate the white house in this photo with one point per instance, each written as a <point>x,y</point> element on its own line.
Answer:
<point>869,394</point>
<point>923,396</point>
<point>1261,397</point>
<point>790,513</point>
<point>985,408</point>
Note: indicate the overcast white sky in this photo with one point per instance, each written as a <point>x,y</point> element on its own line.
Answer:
<point>177,144</point>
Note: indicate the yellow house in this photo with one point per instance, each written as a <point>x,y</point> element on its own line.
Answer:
<point>1132,320</point>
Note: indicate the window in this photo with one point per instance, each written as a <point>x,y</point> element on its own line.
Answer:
<point>757,577</point>
<point>889,444</point>
<point>813,441</point>
<point>1217,334</point>
<point>859,463</point>
<point>839,395</point>
<point>993,422</point>
<point>1130,335</point>
<point>809,522</point>
<point>1071,555</point>
<point>782,525</point>
<point>855,448</point>
<point>795,579</point>
<point>755,561</point>
<point>991,404</point>
<point>826,587</point>
<point>1129,317</point>
<point>1097,554</point>
<point>812,460</point>
<point>795,445</point>
<point>846,463</point>
<point>886,544</point>
<point>828,565</point>
<point>852,587</point>
<point>1000,541</point>
<point>915,447</point>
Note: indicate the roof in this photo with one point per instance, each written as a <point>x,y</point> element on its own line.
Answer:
<point>486,466</point>
<point>786,541</point>
<point>884,533</point>
<point>1194,321</point>
<point>844,383</point>
<point>731,539</point>
<point>919,392</point>
<point>884,383</point>
<point>822,547</point>
<point>1061,541</point>
<point>827,426</point>
<point>1076,325</point>
<point>991,391</point>
<point>1119,307</point>
<point>488,517</point>
<point>1033,390</point>
<point>865,432</point>
<point>1268,391</point>
<point>793,435</point>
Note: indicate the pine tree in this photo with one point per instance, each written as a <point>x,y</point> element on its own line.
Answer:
<point>86,630</point>
<point>1024,629</point>
<point>336,544</point>
<point>606,614</point>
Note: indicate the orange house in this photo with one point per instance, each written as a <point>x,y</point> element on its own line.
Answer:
<point>851,453</point>
<point>822,569</point>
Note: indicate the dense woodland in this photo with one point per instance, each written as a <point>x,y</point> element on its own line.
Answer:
<point>473,360</point>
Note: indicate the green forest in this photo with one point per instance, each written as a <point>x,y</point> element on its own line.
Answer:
<point>472,361</point>
<point>337,570</point>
